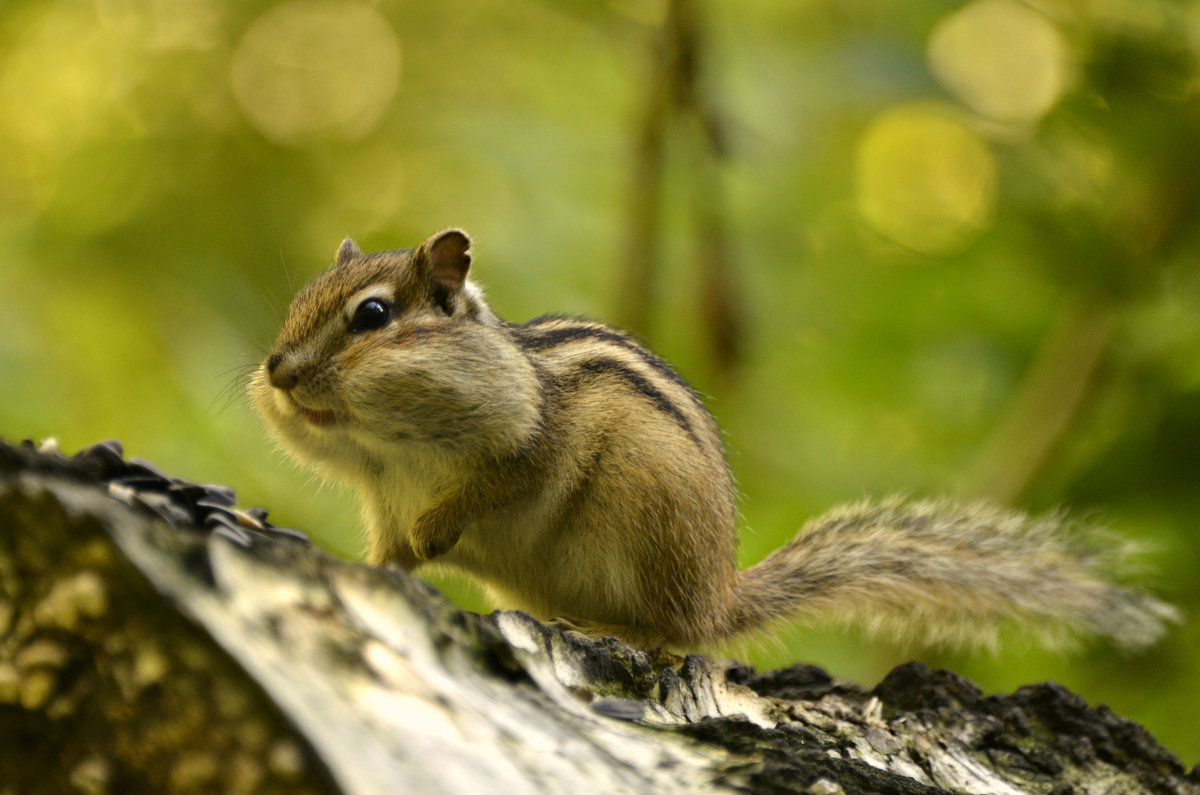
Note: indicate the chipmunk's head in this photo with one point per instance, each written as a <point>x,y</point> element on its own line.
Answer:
<point>393,350</point>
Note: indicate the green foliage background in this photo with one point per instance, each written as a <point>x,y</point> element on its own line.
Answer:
<point>1018,315</point>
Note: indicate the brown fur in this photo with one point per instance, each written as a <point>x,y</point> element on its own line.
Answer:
<point>579,478</point>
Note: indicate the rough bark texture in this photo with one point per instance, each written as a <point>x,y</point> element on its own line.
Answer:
<point>142,651</point>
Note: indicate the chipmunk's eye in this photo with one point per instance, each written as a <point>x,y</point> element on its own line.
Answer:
<point>371,314</point>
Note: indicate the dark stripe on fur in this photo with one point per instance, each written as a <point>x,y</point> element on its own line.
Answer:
<point>600,365</point>
<point>536,339</point>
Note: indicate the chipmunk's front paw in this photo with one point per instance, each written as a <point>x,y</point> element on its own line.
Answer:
<point>392,552</point>
<point>434,534</point>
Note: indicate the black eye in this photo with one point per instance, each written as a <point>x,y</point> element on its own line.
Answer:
<point>371,314</point>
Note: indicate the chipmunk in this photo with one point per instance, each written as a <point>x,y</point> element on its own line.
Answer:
<point>579,478</point>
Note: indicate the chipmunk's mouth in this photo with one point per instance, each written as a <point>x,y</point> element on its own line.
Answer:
<point>316,417</point>
<point>320,417</point>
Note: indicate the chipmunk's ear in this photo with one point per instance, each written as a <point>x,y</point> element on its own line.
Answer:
<point>346,252</point>
<point>447,260</point>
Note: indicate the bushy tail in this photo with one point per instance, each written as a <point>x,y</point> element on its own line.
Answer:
<point>939,572</point>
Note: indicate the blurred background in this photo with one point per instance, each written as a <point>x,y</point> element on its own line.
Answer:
<point>942,248</point>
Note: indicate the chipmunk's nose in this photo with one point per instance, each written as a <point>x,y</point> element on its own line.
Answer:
<point>280,373</point>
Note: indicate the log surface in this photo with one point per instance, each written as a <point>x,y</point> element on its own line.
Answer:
<point>156,638</point>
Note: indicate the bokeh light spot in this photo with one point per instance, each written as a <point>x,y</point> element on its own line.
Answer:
<point>924,180</point>
<point>1001,58</point>
<point>314,70</point>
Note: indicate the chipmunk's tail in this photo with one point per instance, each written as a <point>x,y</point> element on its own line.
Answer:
<point>941,573</point>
